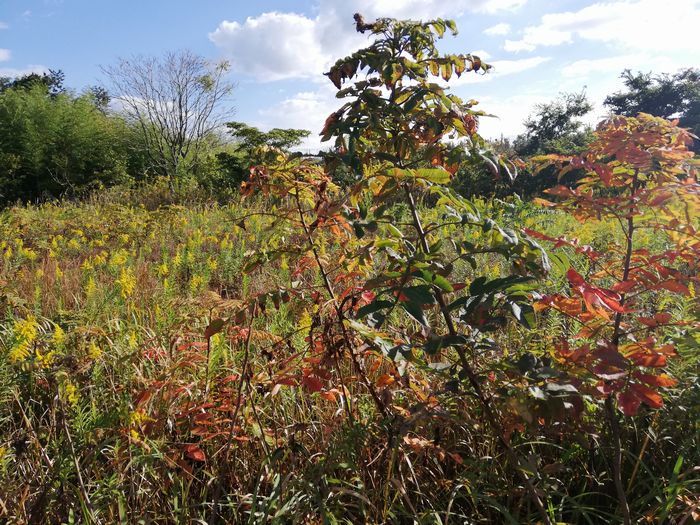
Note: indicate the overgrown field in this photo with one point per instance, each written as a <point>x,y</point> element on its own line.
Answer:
<point>116,407</point>
<point>353,340</point>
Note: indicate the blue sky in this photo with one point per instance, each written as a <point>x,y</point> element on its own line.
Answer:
<point>279,49</point>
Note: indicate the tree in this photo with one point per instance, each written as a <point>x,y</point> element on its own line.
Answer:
<point>639,175</point>
<point>393,285</point>
<point>177,101</point>
<point>667,96</point>
<point>248,138</point>
<point>250,146</point>
<point>52,82</point>
<point>554,127</point>
<point>53,144</point>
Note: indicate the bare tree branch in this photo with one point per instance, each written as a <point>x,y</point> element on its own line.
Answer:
<point>176,101</point>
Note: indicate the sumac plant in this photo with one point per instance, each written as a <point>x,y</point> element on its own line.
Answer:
<point>405,266</point>
<point>640,177</point>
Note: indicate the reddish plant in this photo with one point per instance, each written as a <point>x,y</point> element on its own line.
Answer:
<point>639,175</point>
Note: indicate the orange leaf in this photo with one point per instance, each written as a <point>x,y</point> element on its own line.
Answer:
<point>648,396</point>
<point>328,395</point>
<point>385,380</point>
<point>661,380</point>
<point>195,453</point>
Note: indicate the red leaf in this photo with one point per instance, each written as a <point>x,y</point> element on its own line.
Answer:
<point>661,380</point>
<point>674,286</point>
<point>575,277</point>
<point>195,453</point>
<point>647,395</point>
<point>312,384</point>
<point>629,403</point>
<point>142,398</point>
<point>649,360</point>
<point>623,286</point>
<point>663,317</point>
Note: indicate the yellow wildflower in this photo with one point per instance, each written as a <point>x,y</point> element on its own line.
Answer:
<point>305,322</point>
<point>126,282</point>
<point>70,393</point>
<point>163,269</point>
<point>93,350</point>
<point>26,328</point>
<point>28,254</point>
<point>59,336</point>
<point>196,282</point>
<point>20,351</point>
<point>90,287</point>
<point>45,360</point>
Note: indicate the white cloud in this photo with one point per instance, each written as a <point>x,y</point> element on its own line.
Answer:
<point>509,67</point>
<point>498,29</point>
<point>583,68</point>
<point>501,68</point>
<point>5,55</point>
<point>616,64</point>
<point>631,24</point>
<point>509,114</point>
<point>482,54</point>
<point>3,25</point>
<point>275,46</point>
<point>20,72</point>
<point>304,110</point>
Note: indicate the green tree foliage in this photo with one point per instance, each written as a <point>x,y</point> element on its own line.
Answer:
<point>667,96</point>
<point>494,168</point>
<point>554,127</point>
<point>250,146</point>
<point>52,143</point>
<point>51,81</point>
<point>490,169</point>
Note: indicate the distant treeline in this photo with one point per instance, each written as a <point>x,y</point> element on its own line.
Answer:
<point>55,142</point>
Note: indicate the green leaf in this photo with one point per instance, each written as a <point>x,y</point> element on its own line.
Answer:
<point>436,279</point>
<point>415,311</point>
<point>215,326</point>
<point>420,294</point>
<point>435,175</point>
<point>524,313</point>
<point>372,307</point>
<point>434,344</point>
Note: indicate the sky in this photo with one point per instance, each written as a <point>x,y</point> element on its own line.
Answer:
<point>279,49</point>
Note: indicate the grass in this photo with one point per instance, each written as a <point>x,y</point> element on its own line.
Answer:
<point>116,408</point>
